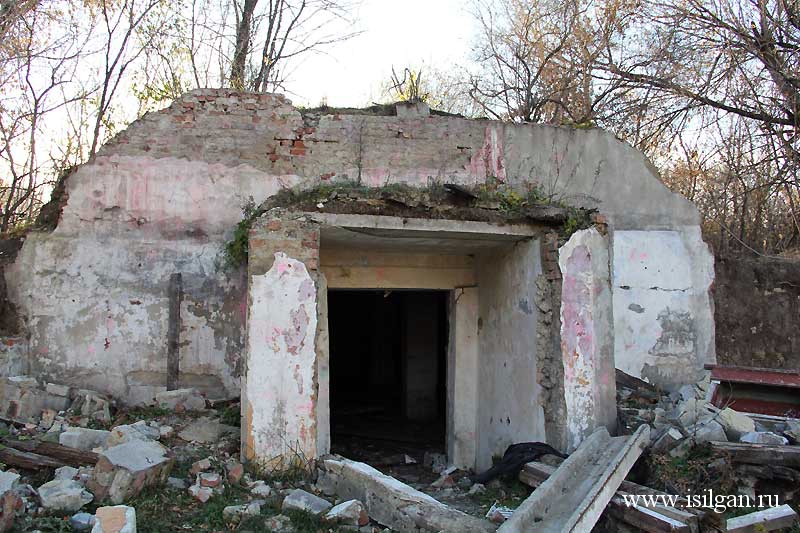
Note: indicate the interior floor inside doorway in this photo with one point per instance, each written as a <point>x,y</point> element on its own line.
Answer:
<point>388,353</point>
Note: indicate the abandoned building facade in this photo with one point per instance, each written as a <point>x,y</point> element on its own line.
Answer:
<point>505,331</point>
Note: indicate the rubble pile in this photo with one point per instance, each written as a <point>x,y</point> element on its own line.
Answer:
<point>759,452</point>
<point>71,456</point>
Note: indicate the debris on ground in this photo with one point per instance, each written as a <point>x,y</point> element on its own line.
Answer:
<point>73,460</point>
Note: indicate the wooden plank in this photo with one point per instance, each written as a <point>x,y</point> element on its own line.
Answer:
<point>27,460</point>
<point>760,454</point>
<point>766,520</point>
<point>175,293</point>
<point>660,519</point>
<point>70,456</point>
<point>574,497</point>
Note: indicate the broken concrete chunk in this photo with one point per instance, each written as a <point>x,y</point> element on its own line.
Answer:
<point>58,390</point>
<point>710,431</point>
<point>65,472</point>
<point>793,431</point>
<point>83,438</point>
<point>63,495</point>
<point>260,488</point>
<point>735,423</point>
<point>122,471</point>
<point>116,519</point>
<point>82,521</point>
<point>688,411</point>
<point>92,404</point>
<point>8,481</point>
<point>763,437</point>
<point>209,479</point>
<point>499,513</point>
<point>301,500</point>
<point>200,466</point>
<point>668,440</point>
<point>181,400</point>
<point>204,430</point>
<point>390,501</point>
<point>201,494</point>
<point>279,524</point>
<point>24,401</point>
<point>140,430</point>
<point>235,472</point>
<point>235,512</point>
<point>349,513</point>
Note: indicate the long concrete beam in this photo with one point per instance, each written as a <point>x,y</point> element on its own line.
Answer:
<point>574,497</point>
<point>390,501</point>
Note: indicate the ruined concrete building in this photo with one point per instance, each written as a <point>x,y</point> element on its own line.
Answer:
<point>502,326</point>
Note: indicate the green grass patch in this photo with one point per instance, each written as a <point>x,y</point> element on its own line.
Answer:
<point>508,493</point>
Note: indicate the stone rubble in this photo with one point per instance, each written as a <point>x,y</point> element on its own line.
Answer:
<point>83,438</point>
<point>64,495</point>
<point>301,500</point>
<point>181,400</point>
<point>349,513</point>
<point>763,437</point>
<point>122,471</point>
<point>115,519</point>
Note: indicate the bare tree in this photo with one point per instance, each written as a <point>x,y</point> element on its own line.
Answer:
<point>537,59</point>
<point>120,21</point>
<point>269,37</point>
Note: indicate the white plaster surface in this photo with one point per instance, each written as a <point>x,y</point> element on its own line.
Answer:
<point>463,378</point>
<point>663,311</point>
<point>510,409</point>
<point>280,386</point>
<point>90,303</point>
<point>587,336</point>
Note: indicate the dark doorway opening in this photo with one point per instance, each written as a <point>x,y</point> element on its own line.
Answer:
<point>388,356</point>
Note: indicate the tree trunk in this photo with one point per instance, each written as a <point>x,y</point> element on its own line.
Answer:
<point>243,45</point>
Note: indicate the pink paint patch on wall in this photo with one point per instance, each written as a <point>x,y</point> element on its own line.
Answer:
<point>586,337</point>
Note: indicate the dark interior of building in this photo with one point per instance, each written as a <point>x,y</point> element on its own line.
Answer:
<point>388,354</point>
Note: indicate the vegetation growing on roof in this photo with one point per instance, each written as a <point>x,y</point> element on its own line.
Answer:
<point>494,200</point>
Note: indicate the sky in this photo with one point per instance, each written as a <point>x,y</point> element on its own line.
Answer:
<point>409,33</point>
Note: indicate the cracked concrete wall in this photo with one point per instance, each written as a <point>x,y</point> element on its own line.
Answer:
<point>663,312</point>
<point>509,406</point>
<point>164,194</point>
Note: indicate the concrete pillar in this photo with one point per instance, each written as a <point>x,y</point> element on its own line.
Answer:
<point>462,378</point>
<point>280,391</point>
<point>587,336</point>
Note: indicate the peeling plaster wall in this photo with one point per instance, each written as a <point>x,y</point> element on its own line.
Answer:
<point>281,368</point>
<point>509,408</point>
<point>164,194</point>
<point>663,312</point>
<point>587,336</point>
<point>286,346</point>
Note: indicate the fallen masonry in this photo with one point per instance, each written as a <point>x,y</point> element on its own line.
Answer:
<point>390,501</point>
<point>584,490</point>
<point>574,497</point>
